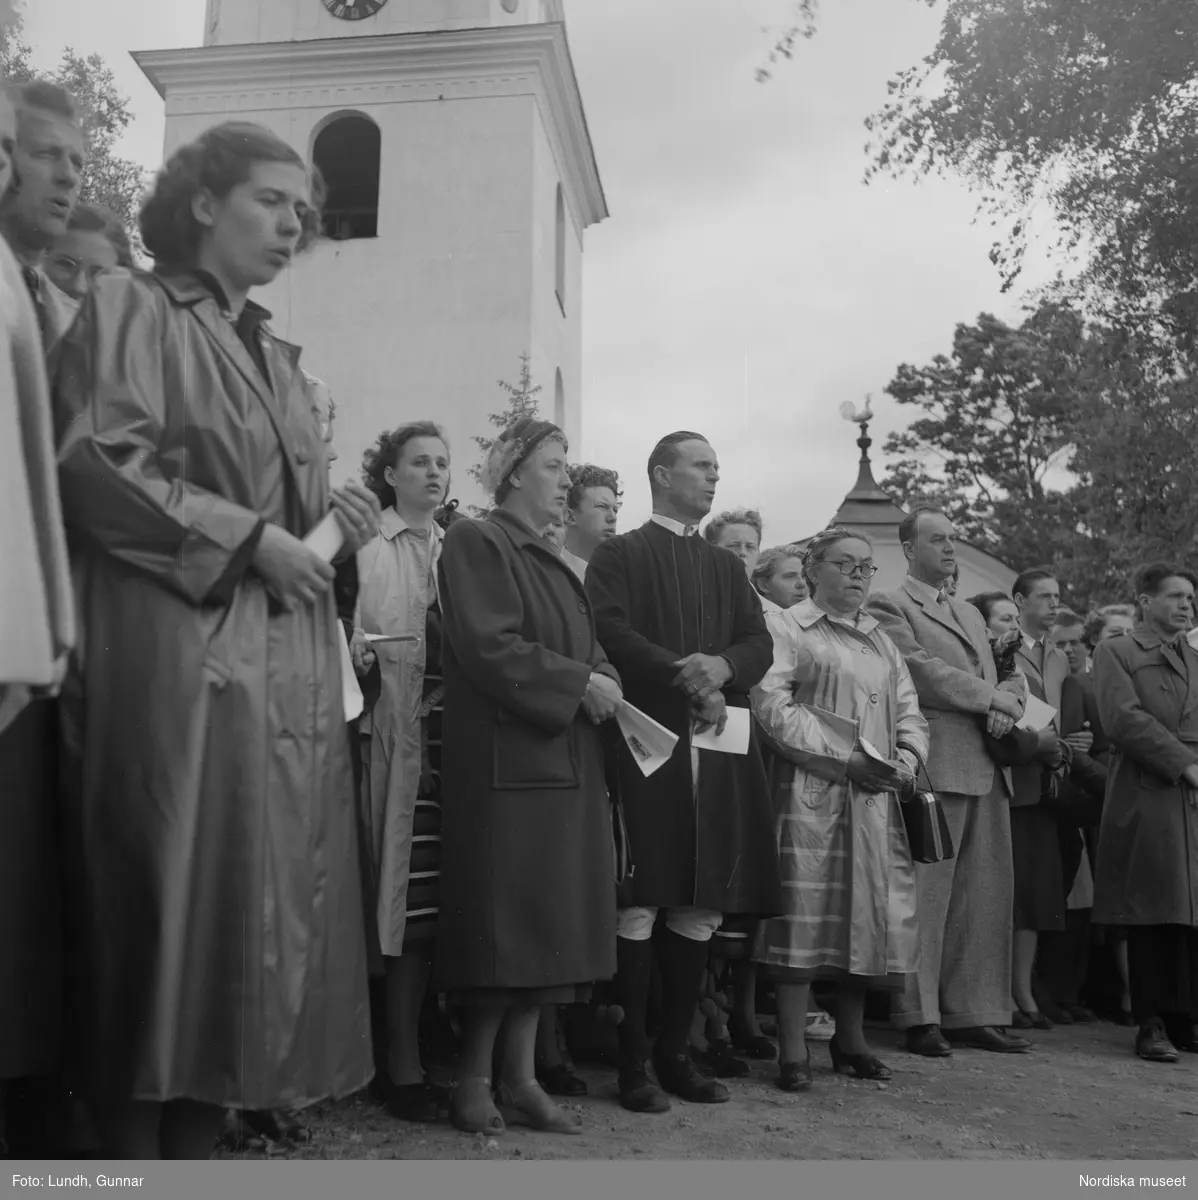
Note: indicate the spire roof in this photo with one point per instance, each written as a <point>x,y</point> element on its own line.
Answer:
<point>867,504</point>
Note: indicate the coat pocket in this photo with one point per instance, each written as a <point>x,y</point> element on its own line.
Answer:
<point>525,758</point>
<point>220,648</point>
<point>1150,781</point>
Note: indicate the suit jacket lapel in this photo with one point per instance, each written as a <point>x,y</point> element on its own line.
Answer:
<point>1031,668</point>
<point>937,613</point>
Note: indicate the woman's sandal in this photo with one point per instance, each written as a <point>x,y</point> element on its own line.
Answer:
<point>472,1108</point>
<point>531,1106</point>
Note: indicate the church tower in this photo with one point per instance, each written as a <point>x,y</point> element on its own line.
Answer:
<point>461,178</point>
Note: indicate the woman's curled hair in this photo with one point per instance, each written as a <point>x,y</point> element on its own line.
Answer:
<point>737,516</point>
<point>1096,622</point>
<point>218,160</point>
<point>769,562</point>
<point>818,547</point>
<point>386,451</point>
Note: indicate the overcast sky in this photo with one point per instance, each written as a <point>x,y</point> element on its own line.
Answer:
<point>747,282</point>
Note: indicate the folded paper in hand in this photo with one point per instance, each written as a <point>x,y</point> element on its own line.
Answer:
<point>871,751</point>
<point>1036,715</point>
<point>651,744</point>
<point>734,739</point>
<point>326,539</point>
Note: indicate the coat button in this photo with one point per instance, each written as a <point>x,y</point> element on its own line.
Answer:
<point>582,606</point>
<point>870,802</point>
<point>873,698</point>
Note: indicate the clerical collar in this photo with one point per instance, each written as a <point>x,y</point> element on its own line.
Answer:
<point>674,526</point>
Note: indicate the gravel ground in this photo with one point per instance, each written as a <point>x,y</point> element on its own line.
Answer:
<point>1080,1094</point>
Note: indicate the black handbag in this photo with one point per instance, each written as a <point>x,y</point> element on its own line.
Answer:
<point>611,740</point>
<point>923,815</point>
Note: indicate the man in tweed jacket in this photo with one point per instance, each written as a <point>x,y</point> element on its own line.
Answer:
<point>964,905</point>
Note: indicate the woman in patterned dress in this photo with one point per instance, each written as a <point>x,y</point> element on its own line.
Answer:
<point>838,695</point>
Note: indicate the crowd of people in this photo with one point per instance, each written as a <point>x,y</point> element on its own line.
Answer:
<point>282,822</point>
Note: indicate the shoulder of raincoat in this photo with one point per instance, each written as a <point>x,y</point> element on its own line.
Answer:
<point>110,394</point>
<point>1147,861</point>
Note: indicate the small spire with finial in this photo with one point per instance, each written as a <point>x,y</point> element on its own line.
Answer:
<point>867,487</point>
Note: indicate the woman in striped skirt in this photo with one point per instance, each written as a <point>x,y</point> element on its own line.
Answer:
<point>397,620</point>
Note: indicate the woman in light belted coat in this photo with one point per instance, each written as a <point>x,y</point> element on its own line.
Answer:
<point>839,707</point>
<point>408,469</point>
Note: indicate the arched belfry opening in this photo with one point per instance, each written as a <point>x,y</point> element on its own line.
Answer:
<point>346,152</point>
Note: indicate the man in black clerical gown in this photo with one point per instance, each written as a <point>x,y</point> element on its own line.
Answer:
<point>681,623</point>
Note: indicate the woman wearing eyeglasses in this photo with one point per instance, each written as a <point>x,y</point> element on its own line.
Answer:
<point>95,240</point>
<point>839,706</point>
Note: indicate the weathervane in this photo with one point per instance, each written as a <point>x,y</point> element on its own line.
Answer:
<point>849,411</point>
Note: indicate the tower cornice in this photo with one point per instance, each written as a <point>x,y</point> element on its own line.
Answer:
<point>225,80</point>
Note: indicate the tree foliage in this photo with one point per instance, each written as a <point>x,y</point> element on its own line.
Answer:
<point>521,402</point>
<point>801,25</point>
<point>1054,442</point>
<point>1135,495</point>
<point>109,180</point>
<point>1075,123</point>
<point>996,420</point>
<point>1081,111</point>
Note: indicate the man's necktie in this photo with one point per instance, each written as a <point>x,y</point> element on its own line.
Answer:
<point>34,284</point>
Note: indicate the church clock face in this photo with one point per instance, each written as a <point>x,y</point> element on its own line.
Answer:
<point>353,10</point>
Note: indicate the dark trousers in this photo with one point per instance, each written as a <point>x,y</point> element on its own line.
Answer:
<point>1162,961</point>
<point>31,883</point>
<point>1063,958</point>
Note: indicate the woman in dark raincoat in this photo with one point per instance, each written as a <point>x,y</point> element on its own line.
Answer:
<point>528,896</point>
<point>223,903</point>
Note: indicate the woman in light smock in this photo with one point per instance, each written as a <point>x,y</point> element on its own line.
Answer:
<point>408,469</point>
<point>836,703</point>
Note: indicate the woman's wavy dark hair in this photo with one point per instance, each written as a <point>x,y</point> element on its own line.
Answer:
<point>218,160</point>
<point>386,451</point>
<point>984,602</point>
<point>95,218</point>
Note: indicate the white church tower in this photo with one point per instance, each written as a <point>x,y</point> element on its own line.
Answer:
<point>461,177</point>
